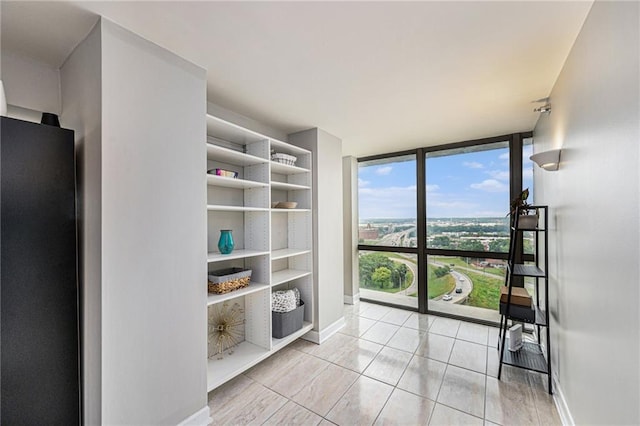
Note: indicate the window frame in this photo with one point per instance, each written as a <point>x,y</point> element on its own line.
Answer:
<point>515,141</point>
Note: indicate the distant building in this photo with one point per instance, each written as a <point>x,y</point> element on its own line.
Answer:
<point>367,232</point>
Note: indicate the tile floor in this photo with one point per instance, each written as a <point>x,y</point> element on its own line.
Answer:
<point>387,367</point>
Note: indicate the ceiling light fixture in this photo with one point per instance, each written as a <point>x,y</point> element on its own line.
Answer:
<point>548,160</point>
<point>543,109</point>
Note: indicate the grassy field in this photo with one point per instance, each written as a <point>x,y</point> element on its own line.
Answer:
<point>486,291</point>
<point>460,262</point>
<point>438,286</point>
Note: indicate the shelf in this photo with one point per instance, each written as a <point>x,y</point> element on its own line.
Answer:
<point>236,254</point>
<point>214,207</point>
<point>234,183</point>
<point>213,299</point>
<point>285,169</point>
<point>287,148</point>
<point>245,203</point>
<point>244,355</point>
<point>529,357</point>
<point>290,210</point>
<point>278,344</point>
<point>529,230</point>
<point>284,253</point>
<point>229,156</point>
<point>230,132</point>
<point>287,275</point>
<point>520,270</point>
<point>540,317</point>
<point>288,186</point>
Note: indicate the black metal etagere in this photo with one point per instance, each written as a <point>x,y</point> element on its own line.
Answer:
<point>533,355</point>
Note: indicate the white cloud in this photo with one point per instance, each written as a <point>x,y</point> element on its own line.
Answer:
<point>390,202</point>
<point>499,174</point>
<point>473,165</point>
<point>362,182</point>
<point>452,204</point>
<point>490,185</point>
<point>432,188</point>
<point>384,171</point>
<point>504,156</point>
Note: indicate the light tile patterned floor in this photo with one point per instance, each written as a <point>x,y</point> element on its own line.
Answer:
<point>387,367</point>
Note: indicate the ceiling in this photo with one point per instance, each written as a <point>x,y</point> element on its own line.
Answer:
<point>382,76</point>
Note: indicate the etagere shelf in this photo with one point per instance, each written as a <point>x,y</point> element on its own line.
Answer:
<point>277,247</point>
<point>533,355</point>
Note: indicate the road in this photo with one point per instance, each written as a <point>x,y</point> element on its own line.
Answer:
<point>413,288</point>
<point>462,281</point>
<point>397,238</point>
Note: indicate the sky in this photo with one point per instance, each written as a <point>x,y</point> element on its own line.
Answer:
<point>472,184</point>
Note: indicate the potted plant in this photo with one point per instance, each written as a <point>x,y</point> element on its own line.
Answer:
<point>526,220</point>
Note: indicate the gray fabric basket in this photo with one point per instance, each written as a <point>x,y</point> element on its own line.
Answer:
<point>285,323</point>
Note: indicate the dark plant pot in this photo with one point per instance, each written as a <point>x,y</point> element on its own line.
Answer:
<point>528,222</point>
<point>50,119</point>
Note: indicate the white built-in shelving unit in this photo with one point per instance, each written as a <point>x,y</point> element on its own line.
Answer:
<point>276,244</point>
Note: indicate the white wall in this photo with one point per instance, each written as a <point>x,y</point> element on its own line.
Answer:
<point>153,232</point>
<point>350,224</point>
<point>140,114</point>
<point>594,199</point>
<point>327,229</point>
<point>82,112</point>
<point>30,84</point>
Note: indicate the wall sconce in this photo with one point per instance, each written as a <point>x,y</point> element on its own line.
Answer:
<point>548,160</point>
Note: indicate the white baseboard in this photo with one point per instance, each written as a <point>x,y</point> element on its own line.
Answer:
<point>199,418</point>
<point>320,336</point>
<point>352,300</point>
<point>561,403</point>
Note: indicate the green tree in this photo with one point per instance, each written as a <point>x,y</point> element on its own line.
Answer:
<point>369,263</point>
<point>441,241</point>
<point>499,245</point>
<point>471,245</point>
<point>403,270</point>
<point>381,277</point>
<point>441,271</point>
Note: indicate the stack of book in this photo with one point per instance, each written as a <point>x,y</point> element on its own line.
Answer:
<point>521,304</point>
<point>223,172</point>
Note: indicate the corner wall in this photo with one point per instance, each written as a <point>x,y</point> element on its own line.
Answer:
<point>594,204</point>
<point>81,78</point>
<point>139,112</point>
<point>327,230</point>
<point>350,225</point>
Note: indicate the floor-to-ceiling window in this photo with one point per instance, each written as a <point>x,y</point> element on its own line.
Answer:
<point>467,199</point>
<point>433,225</point>
<point>387,224</point>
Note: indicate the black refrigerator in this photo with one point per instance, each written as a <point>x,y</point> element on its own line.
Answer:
<point>39,328</point>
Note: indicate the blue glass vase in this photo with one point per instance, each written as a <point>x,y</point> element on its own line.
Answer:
<point>225,243</point>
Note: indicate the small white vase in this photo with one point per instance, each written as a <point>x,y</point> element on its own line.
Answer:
<point>3,100</point>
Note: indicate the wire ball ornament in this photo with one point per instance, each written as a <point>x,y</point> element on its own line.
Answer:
<point>226,329</point>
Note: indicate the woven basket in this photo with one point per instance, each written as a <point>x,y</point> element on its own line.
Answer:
<point>284,158</point>
<point>226,280</point>
<point>227,286</point>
